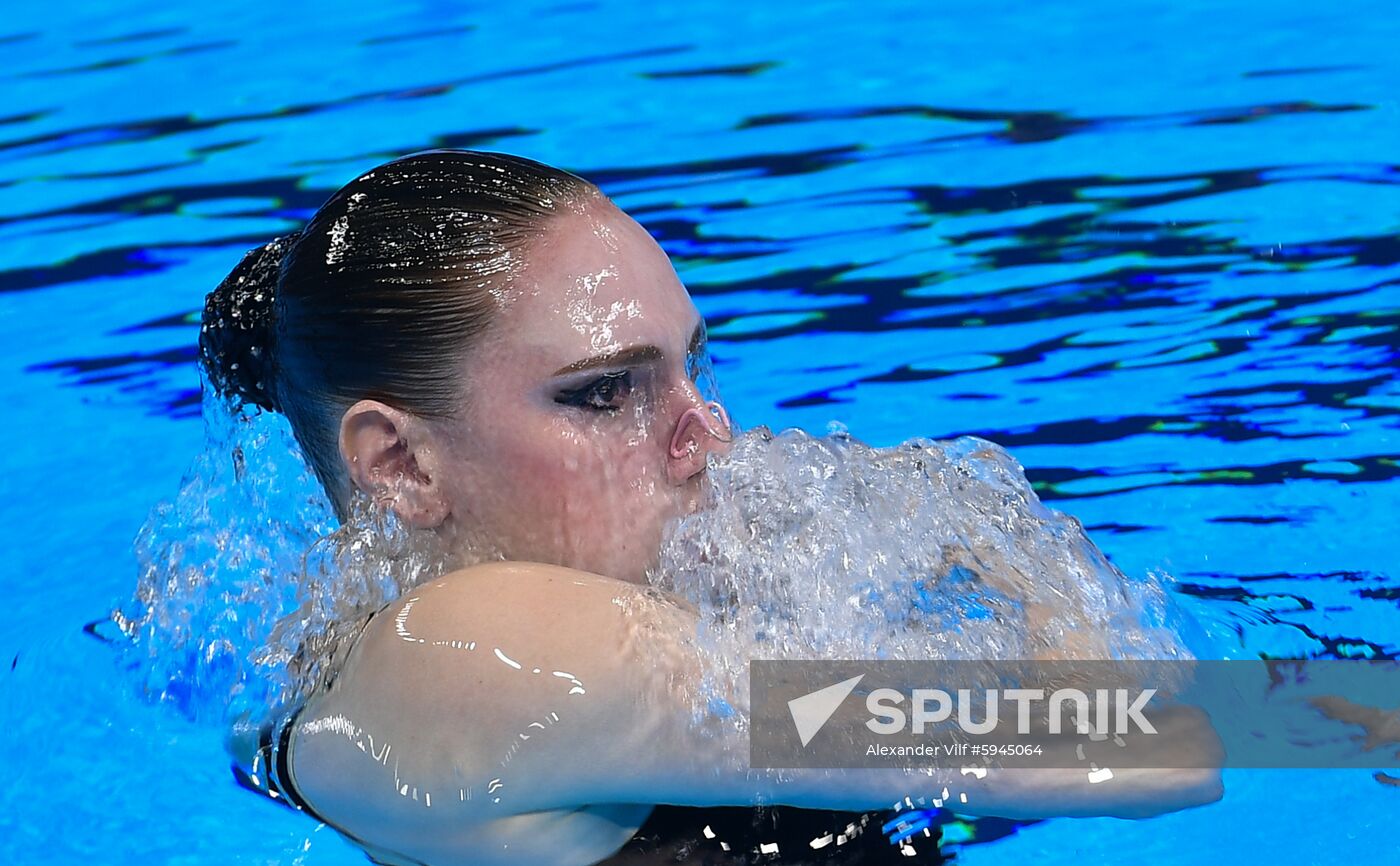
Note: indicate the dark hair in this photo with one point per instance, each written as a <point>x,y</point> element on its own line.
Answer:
<point>380,294</point>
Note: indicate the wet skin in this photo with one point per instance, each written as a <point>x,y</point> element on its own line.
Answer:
<point>581,431</point>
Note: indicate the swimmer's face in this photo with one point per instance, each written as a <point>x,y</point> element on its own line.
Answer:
<point>581,430</point>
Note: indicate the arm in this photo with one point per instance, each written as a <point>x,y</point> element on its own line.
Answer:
<point>501,704</point>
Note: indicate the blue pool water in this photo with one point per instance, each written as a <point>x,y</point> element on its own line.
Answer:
<point>1151,247</point>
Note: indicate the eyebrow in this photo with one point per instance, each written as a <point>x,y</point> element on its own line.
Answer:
<point>632,355</point>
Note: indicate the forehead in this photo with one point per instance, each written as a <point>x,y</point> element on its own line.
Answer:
<point>595,281</point>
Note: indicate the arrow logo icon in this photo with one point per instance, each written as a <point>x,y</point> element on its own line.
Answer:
<point>811,711</point>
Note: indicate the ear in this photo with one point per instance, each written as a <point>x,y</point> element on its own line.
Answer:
<point>390,455</point>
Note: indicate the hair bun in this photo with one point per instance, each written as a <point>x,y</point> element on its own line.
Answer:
<point>235,334</point>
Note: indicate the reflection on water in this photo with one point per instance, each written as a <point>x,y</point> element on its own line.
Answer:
<point>1153,251</point>
<point>1185,300</point>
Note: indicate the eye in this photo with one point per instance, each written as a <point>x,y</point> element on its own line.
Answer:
<point>603,394</point>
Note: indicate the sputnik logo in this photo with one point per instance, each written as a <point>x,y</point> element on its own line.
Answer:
<point>811,711</point>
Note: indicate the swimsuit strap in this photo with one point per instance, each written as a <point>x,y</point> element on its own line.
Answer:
<point>273,761</point>
<point>271,776</point>
<point>271,773</point>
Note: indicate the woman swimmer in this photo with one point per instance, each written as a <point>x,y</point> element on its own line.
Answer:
<point>493,350</point>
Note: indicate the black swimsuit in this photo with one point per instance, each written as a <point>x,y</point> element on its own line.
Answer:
<point>777,835</point>
<point>698,836</point>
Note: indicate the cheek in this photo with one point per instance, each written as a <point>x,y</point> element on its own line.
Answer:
<point>605,464</point>
<point>566,473</point>
<point>575,492</point>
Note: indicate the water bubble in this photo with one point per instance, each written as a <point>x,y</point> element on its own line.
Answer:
<point>248,591</point>
<point>827,548</point>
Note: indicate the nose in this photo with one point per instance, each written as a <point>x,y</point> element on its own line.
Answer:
<point>699,431</point>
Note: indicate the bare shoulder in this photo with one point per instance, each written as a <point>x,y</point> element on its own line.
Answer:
<point>501,630</point>
<point>489,590</point>
<point>462,703</point>
<point>508,613</point>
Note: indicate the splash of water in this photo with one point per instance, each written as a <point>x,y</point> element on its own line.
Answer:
<point>810,547</point>
<point>827,548</point>
<point>248,592</point>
